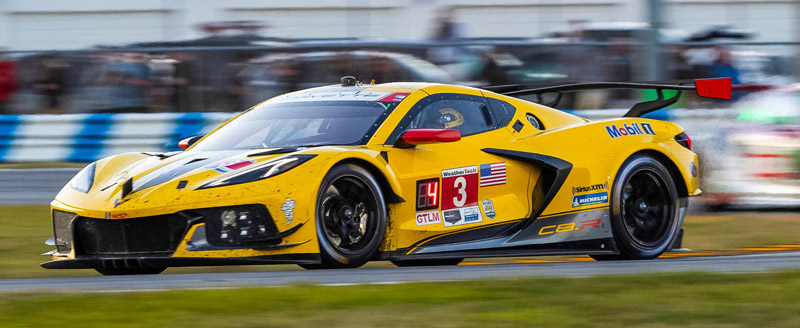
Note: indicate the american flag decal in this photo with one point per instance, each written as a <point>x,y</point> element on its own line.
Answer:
<point>493,174</point>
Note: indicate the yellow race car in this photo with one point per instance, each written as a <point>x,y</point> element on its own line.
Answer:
<point>413,173</point>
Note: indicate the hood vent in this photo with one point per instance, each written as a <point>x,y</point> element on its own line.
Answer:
<point>195,161</point>
<point>127,187</point>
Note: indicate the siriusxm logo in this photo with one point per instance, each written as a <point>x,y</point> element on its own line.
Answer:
<point>633,129</point>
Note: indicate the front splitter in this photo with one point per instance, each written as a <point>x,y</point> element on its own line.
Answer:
<point>160,262</point>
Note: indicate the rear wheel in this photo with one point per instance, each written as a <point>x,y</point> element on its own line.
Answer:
<point>409,263</point>
<point>128,271</point>
<point>351,218</point>
<point>644,210</point>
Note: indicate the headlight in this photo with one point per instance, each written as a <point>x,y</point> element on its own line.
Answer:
<point>263,171</point>
<point>84,180</point>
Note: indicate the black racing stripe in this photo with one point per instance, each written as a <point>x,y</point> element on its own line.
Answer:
<point>453,233</point>
<point>180,167</point>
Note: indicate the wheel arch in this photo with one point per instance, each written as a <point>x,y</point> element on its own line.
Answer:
<point>677,177</point>
<point>389,193</point>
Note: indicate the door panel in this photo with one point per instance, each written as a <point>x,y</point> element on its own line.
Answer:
<point>474,190</point>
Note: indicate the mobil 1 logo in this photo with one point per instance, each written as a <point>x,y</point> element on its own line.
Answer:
<point>629,130</point>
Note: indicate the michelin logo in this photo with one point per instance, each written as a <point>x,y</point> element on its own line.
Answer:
<point>633,129</point>
<point>590,199</point>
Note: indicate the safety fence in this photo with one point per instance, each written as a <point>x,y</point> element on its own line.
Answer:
<point>88,137</point>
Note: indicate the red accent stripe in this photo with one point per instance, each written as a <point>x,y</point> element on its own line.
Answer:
<point>775,175</point>
<point>750,155</point>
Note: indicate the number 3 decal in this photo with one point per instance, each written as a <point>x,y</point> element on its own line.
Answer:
<point>459,187</point>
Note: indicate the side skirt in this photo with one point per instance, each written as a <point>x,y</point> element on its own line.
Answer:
<point>150,262</point>
<point>583,247</point>
<point>587,232</point>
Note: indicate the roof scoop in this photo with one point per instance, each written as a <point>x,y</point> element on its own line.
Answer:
<point>348,81</point>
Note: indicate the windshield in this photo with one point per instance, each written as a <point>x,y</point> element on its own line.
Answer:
<point>297,124</point>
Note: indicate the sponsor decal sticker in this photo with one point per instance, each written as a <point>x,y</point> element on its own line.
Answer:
<point>229,165</point>
<point>460,196</point>
<point>693,168</point>
<point>461,216</point>
<point>472,214</point>
<point>590,199</point>
<point>395,97</point>
<point>451,217</point>
<point>566,227</point>
<point>493,174</point>
<point>488,208</point>
<point>594,187</point>
<point>459,187</point>
<point>426,218</point>
<point>288,210</point>
<point>629,130</point>
<point>116,216</point>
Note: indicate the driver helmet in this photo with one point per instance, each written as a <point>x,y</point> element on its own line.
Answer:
<point>445,118</point>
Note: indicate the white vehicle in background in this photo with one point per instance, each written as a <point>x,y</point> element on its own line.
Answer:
<point>755,162</point>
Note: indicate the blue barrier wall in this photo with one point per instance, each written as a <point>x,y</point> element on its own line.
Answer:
<point>88,137</point>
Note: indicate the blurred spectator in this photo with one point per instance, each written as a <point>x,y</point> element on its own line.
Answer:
<point>8,82</point>
<point>680,66</point>
<point>128,76</point>
<point>182,80</point>
<point>446,31</point>
<point>723,66</point>
<point>49,82</point>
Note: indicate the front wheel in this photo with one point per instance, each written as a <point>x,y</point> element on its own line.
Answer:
<point>351,217</point>
<point>644,210</point>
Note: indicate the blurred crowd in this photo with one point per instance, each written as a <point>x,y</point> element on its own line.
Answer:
<point>167,78</point>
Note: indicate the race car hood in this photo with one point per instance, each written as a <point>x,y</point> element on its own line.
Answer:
<point>152,180</point>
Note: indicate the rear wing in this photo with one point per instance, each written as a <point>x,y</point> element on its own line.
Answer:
<point>709,88</point>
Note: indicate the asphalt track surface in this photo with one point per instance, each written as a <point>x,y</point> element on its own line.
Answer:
<point>32,186</point>
<point>752,262</point>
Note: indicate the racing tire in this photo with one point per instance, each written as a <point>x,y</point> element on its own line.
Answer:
<point>437,262</point>
<point>129,271</point>
<point>350,218</point>
<point>644,210</point>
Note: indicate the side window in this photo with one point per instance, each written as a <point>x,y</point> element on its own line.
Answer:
<point>503,111</point>
<point>467,114</point>
<point>464,115</point>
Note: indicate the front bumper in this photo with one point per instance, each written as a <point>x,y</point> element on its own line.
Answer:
<point>185,238</point>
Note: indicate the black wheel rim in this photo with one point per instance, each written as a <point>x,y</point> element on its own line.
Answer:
<point>348,214</point>
<point>646,208</point>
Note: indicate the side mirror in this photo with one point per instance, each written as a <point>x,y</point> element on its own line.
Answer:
<point>415,137</point>
<point>188,142</point>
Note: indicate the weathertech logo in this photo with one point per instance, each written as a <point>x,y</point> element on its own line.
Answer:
<point>594,187</point>
<point>626,130</point>
<point>460,171</point>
